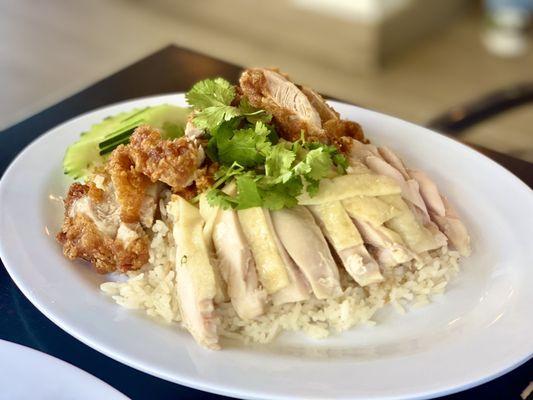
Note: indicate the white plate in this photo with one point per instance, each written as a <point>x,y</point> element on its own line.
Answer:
<point>479,329</point>
<point>29,374</point>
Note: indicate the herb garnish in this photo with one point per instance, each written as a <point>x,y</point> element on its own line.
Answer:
<point>268,172</point>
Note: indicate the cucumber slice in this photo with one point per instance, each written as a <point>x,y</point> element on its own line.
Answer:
<point>94,145</point>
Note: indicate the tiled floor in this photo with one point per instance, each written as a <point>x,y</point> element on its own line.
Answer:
<point>51,49</point>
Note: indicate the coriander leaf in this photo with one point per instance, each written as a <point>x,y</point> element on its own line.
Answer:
<point>211,149</point>
<point>247,147</point>
<point>210,93</point>
<point>253,114</point>
<point>240,148</point>
<point>247,193</point>
<point>282,195</point>
<point>302,168</point>
<point>262,138</point>
<point>276,198</point>
<point>312,186</point>
<point>224,173</point>
<point>341,162</point>
<point>210,118</point>
<point>217,198</point>
<point>319,162</point>
<point>279,161</point>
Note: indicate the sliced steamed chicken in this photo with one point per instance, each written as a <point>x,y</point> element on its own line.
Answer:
<point>195,277</point>
<point>298,288</point>
<point>209,215</point>
<point>417,236</point>
<point>442,212</point>
<point>439,209</point>
<point>452,226</point>
<point>347,186</point>
<point>277,272</point>
<point>414,220</point>
<point>369,215</point>
<point>306,245</point>
<point>347,242</point>
<point>388,247</point>
<point>257,229</point>
<point>235,260</point>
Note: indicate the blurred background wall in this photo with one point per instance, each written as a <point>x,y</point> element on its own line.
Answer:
<point>415,59</point>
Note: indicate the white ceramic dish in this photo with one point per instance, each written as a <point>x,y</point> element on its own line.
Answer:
<point>479,329</point>
<point>29,374</point>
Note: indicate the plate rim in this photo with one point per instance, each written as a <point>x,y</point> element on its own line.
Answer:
<point>49,358</point>
<point>197,384</point>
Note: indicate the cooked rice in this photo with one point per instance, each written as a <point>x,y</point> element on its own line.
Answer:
<point>152,289</point>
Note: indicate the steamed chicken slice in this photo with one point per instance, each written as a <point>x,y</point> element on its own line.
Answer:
<point>369,214</point>
<point>371,209</point>
<point>259,233</point>
<point>236,262</point>
<point>306,245</point>
<point>347,242</point>
<point>372,157</point>
<point>395,161</point>
<point>383,161</point>
<point>387,246</point>
<point>452,226</point>
<point>410,190</point>
<point>347,186</point>
<point>195,278</point>
<point>429,192</point>
<point>298,288</point>
<point>441,212</point>
<point>444,215</point>
<point>415,235</point>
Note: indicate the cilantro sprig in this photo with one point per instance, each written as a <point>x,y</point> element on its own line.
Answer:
<point>267,172</point>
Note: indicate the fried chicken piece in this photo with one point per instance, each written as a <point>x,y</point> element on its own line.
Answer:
<point>173,162</point>
<point>130,185</point>
<point>81,238</point>
<point>291,110</point>
<point>325,112</point>
<point>297,108</point>
<point>203,181</point>
<point>92,230</point>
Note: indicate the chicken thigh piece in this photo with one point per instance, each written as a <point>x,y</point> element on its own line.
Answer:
<point>105,225</point>
<point>174,162</point>
<point>296,109</point>
<point>292,111</point>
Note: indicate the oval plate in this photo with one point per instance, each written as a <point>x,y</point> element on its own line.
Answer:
<point>479,329</point>
<point>31,374</point>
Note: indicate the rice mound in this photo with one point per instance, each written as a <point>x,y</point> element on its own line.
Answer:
<point>152,289</point>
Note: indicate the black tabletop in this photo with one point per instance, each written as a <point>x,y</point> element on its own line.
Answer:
<point>170,70</point>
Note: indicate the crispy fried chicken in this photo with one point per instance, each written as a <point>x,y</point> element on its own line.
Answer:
<point>92,230</point>
<point>173,162</point>
<point>106,219</point>
<point>296,109</point>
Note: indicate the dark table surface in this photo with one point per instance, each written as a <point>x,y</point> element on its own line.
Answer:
<point>170,70</point>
